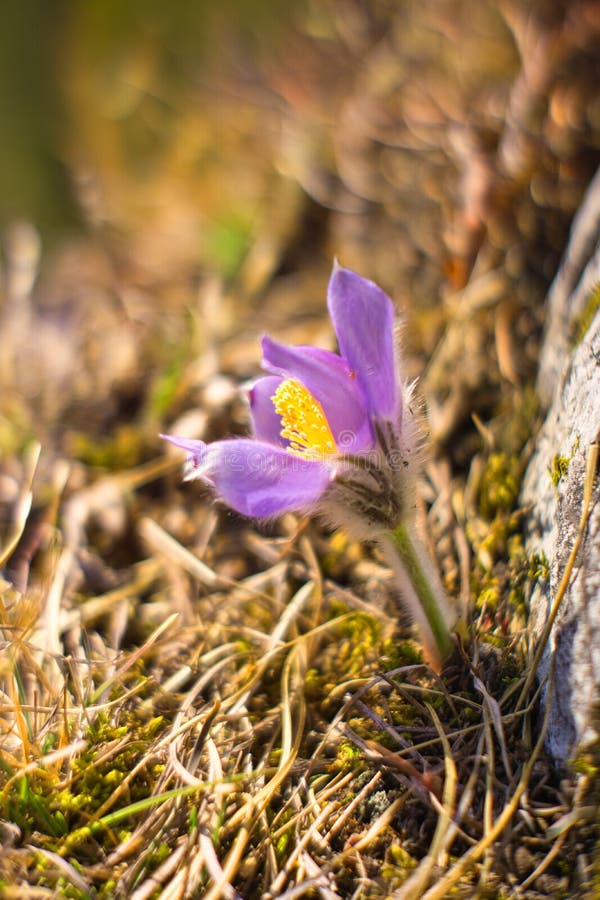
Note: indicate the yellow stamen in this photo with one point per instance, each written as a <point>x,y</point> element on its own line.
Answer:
<point>304,423</point>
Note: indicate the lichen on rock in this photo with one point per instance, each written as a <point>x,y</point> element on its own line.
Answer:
<point>570,380</point>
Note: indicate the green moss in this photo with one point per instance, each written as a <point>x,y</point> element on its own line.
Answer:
<point>339,553</point>
<point>401,653</point>
<point>500,483</point>
<point>58,819</point>
<point>503,572</point>
<point>120,450</point>
<point>313,685</point>
<point>66,889</point>
<point>559,468</point>
<point>587,763</point>
<point>494,534</point>
<point>488,596</point>
<point>29,806</point>
<point>581,324</point>
<point>348,757</point>
<point>357,642</point>
<point>538,567</point>
<point>401,857</point>
<point>560,465</point>
<point>284,840</point>
<point>397,866</point>
<point>494,640</point>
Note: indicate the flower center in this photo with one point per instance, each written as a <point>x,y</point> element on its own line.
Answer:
<point>304,423</point>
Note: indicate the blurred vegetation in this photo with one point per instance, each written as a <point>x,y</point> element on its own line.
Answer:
<point>110,57</point>
<point>33,181</point>
<point>157,149</point>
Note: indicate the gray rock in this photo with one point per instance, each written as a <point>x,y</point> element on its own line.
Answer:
<point>569,382</point>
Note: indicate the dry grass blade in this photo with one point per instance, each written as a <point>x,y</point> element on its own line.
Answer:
<point>488,806</point>
<point>277,885</point>
<point>496,717</point>
<point>48,762</point>
<point>159,541</point>
<point>442,837</point>
<point>559,832</point>
<point>373,831</point>
<point>472,856</point>
<point>63,869</point>
<point>135,656</point>
<point>222,876</point>
<point>350,808</point>
<point>146,890</point>
<point>23,503</point>
<point>91,610</point>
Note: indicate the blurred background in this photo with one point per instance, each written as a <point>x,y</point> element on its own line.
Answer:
<point>177,178</point>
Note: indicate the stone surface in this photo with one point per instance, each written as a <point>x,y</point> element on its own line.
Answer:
<point>569,383</point>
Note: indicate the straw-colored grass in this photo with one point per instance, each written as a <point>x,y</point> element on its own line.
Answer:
<point>272,735</point>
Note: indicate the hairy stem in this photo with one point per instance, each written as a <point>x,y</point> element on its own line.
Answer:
<point>421,588</point>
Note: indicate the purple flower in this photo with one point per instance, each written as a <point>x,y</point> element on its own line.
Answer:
<point>329,431</point>
<point>335,434</point>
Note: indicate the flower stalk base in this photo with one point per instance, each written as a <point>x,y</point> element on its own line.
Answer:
<point>421,590</point>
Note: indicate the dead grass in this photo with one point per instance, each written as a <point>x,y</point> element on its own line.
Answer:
<point>271,735</point>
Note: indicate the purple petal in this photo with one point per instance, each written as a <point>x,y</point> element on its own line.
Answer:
<point>363,318</point>
<point>329,379</point>
<point>259,480</point>
<point>195,450</point>
<point>266,423</point>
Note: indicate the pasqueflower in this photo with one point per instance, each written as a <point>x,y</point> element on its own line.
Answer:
<point>335,434</point>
